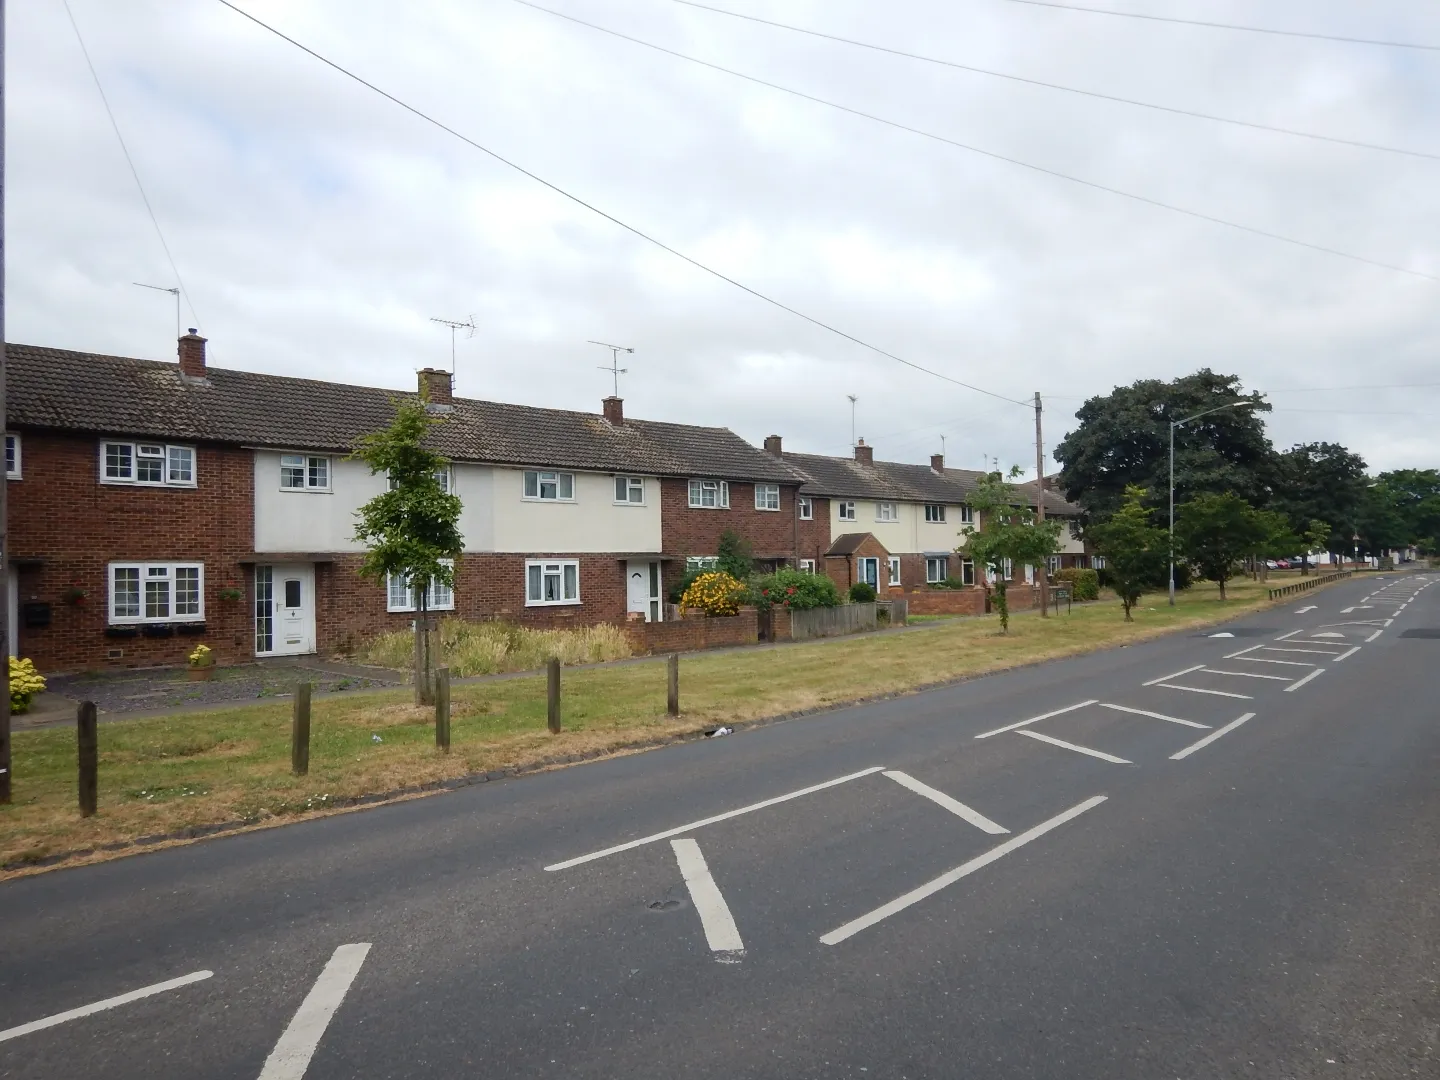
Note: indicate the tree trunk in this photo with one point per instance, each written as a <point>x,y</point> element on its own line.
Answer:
<point>1002,602</point>
<point>1125,603</point>
<point>424,684</point>
<point>1222,590</point>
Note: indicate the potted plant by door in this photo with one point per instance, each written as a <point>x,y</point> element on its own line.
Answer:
<point>202,664</point>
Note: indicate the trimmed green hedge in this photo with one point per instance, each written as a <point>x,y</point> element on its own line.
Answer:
<point>1083,584</point>
<point>862,592</point>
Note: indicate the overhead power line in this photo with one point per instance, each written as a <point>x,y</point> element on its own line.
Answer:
<point>1067,89</point>
<point>612,218</point>
<point>131,162</point>
<point>1199,215</point>
<point>1229,26</point>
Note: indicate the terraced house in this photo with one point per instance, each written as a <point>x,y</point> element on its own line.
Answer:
<point>156,504</point>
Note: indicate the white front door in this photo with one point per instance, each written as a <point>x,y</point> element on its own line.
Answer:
<point>642,589</point>
<point>284,609</point>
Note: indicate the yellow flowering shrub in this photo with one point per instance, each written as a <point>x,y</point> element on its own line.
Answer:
<point>715,593</point>
<point>25,683</point>
<point>201,656</point>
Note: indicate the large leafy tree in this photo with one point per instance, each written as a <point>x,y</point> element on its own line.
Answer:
<point>1007,531</point>
<point>1123,439</point>
<point>1403,508</point>
<point>1214,532</point>
<point>1321,482</point>
<point>411,531</point>
<point>1137,553</point>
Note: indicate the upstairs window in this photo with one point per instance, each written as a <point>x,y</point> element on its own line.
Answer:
<point>967,515</point>
<point>767,496</point>
<point>157,592</point>
<point>846,511</point>
<point>301,473</point>
<point>550,486</point>
<point>630,490</point>
<point>935,512</point>
<point>710,494</point>
<point>150,464</point>
<point>807,508</point>
<point>442,477</point>
<point>12,456</point>
<point>885,511</point>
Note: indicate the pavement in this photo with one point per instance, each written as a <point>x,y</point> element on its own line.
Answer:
<point>1202,856</point>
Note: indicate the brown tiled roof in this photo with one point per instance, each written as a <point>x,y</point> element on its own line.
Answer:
<point>848,543</point>
<point>115,395</point>
<point>846,478</point>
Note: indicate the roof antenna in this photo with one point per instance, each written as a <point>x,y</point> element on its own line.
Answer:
<point>468,325</point>
<point>942,446</point>
<point>615,369</point>
<point>173,292</point>
<point>853,399</point>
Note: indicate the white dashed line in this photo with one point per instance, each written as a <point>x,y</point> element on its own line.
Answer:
<point>955,806</point>
<point>1287,663</point>
<point>1202,690</point>
<point>1244,674</point>
<point>1037,719</point>
<point>1072,746</point>
<point>1302,682</point>
<point>1242,652</point>
<point>721,933</point>
<point>1208,739</point>
<point>1173,675</point>
<point>1373,636</point>
<point>292,1054</point>
<point>1348,652</point>
<point>101,1006</point>
<point>1154,715</point>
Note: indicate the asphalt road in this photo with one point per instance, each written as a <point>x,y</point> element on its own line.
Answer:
<point>1144,885</point>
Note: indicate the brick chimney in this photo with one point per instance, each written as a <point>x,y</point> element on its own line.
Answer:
<point>772,445</point>
<point>865,455</point>
<point>192,355</point>
<point>437,385</point>
<point>614,410</point>
<point>937,463</point>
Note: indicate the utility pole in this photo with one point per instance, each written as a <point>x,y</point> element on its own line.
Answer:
<point>5,641</point>
<point>1042,572</point>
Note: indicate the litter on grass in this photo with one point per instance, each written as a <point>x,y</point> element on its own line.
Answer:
<point>719,731</point>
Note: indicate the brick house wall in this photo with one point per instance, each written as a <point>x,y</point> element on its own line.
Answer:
<point>815,535</point>
<point>842,568</point>
<point>687,530</point>
<point>66,527</point>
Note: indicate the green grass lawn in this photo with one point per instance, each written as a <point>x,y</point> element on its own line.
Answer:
<point>166,773</point>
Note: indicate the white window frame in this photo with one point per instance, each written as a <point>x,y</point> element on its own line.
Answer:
<point>886,511</point>
<point>632,484</point>
<point>894,570</point>
<point>764,493</point>
<point>1007,567</point>
<point>558,567</point>
<point>167,572</point>
<point>805,508</point>
<point>1097,562</point>
<point>718,489</point>
<point>935,513</point>
<point>306,463</point>
<point>967,514</point>
<point>12,452</point>
<point>701,562</point>
<point>845,509</point>
<point>557,477</point>
<point>807,566</point>
<point>134,446</point>
<point>400,598</point>
<point>967,571</point>
<point>1052,563</point>
<point>443,475</point>
<point>930,561</point>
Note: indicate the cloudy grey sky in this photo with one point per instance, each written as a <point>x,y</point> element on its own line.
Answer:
<point>318,227</point>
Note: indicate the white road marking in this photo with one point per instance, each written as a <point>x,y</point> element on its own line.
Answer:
<point>1173,675</point>
<point>1208,739</point>
<point>1373,636</point>
<point>1155,715</point>
<point>1201,690</point>
<point>1301,611</point>
<point>1348,610</point>
<point>712,820</point>
<point>1316,652</point>
<point>292,1054</point>
<point>1291,634</point>
<point>101,1006</point>
<point>955,806</point>
<point>1072,746</point>
<point>1223,633</point>
<point>1302,682</point>
<point>1242,652</point>
<point>1244,674</point>
<point>1326,634</point>
<point>721,933</point>
<point>1348,652</point>
<point>1287,663</point>
<point>930,888</point>
<point>1037,719</point>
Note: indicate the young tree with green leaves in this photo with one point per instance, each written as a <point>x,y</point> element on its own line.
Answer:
<point>1006,531</point>
<point>411,531</point>
<point>1214,532</point>
<point>736,555</point>
<point>1137,554</point>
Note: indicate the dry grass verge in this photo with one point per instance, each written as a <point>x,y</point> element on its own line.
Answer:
<point>165,774</point>
<point>489,648</point>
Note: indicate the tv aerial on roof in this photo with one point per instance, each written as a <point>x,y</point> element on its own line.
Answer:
<point>173,291</point>
<point>454,324</point>
<point>615,369</point>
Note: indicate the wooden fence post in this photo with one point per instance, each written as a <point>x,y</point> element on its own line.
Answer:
<point>442,708</point>
<point>88,739</point>
<point>552,695</point>
<point>300,731</point>
<point>672,685</point>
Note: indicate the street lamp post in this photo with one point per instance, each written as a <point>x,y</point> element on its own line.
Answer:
<point>1173,425</point>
